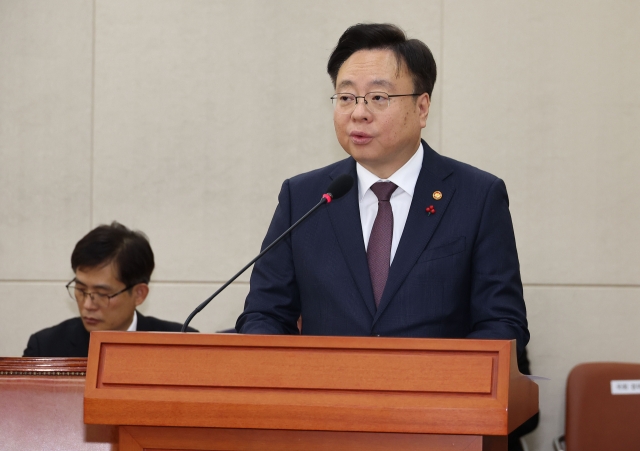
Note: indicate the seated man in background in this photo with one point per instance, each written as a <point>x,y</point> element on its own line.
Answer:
<point>112,267</point>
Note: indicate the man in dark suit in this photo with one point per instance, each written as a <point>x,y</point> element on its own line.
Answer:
<point>422,247</point>
<point>112,267</point>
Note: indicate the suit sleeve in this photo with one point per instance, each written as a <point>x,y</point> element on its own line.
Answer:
<point>33,349</point>
<point>273,303</point>
<point>497,303</point>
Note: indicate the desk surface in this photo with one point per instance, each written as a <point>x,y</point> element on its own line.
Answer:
<point>41,407</point>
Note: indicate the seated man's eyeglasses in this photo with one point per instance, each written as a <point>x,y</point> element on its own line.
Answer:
<point>99,299</point>
<point>376,102</point>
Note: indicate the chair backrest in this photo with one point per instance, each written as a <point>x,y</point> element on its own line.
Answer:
<point>596,418</point>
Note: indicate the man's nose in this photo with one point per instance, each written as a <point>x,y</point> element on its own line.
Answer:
<point>361,112</point>
<point>88,303</point>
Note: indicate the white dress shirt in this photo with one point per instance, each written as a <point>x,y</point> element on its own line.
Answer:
<point>134,324</point>
<point>406,178</point>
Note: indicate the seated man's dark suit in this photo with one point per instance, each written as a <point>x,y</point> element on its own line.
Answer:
<point>71,339</point>
<point>455,273</point>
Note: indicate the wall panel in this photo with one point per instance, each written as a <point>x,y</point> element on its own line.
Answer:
<point>45,134</point>
<point>28,307</point>
<point>572,325</point>
<point>543,94</point>
<point>204,108</point>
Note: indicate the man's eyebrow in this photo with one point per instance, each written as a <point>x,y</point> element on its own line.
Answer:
<point>377,82</point>
<point>103,287</point>
<point>344,84</point>
<point>95,287</point>
<point>382,82</point>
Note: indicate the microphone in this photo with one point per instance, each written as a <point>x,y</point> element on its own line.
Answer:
<point>338,188</point>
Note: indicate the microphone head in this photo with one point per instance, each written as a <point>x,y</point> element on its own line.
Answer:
<point>340,186</point>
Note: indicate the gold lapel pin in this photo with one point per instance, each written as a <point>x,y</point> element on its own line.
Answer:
<point>437,195</point>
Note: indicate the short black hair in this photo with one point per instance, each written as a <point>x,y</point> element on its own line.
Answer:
<point>129,250</point>
<point>412,52</point>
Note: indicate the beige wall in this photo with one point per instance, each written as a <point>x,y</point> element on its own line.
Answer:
<point>182,118</point>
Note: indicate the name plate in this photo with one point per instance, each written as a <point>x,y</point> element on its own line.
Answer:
<point>629,387</point>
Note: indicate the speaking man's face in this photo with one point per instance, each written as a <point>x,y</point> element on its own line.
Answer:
<point>97,311</point>
<point>381,141</point>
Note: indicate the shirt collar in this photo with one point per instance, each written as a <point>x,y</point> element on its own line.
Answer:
<point>406,177</point>
<point>134,324</point>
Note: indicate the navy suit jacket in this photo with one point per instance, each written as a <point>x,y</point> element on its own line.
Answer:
<point>71,339</point>
<point>455,273</point>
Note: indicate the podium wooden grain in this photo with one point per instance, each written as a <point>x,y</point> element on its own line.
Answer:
<point>251,392</point>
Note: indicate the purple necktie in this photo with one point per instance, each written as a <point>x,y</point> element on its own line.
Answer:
<point>379,248</point>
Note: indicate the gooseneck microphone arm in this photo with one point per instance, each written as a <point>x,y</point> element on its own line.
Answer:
<point>340,186</point>
<point>266,249</point>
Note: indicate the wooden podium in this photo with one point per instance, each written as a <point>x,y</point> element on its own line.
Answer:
<point>169,391</point>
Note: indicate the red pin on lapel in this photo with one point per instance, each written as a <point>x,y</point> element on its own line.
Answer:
<point>430,210</point>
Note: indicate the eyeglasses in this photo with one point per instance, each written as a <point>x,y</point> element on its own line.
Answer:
<point>99,299</point>
<point>376,102</point>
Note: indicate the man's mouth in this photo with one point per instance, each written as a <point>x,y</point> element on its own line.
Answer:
<point>90,321</point>
<point>360,137</point>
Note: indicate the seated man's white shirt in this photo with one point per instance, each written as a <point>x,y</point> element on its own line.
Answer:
<point>405,178</point>
<point>134,324</point>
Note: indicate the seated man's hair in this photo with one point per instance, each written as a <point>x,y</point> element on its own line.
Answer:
<point>129,250</point>
<point>412,52</point>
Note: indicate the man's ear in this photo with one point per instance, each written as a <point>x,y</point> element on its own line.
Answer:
<point>140,293</point>
<point>423,103</point>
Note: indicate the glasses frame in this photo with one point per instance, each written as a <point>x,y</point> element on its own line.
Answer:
<point>92,293</point>
<point>389,96</point>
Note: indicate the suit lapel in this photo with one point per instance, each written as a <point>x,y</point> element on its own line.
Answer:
<point>419,227</point>
<point>345,218</point>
